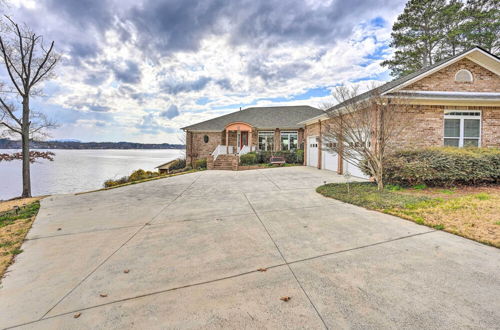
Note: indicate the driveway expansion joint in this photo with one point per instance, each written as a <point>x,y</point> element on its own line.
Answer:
<point>118,249</point>
<point>287,264</point>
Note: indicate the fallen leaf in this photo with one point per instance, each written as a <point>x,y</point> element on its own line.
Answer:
<point>262,269</point>
<point>286,298</point>
<point>126,271</point>
<point>77,315</point>
<point>103,295</point>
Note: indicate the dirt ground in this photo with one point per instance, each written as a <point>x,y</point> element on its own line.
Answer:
<point>9,205</point>
<point>472,212</point>
<point>12,234</point>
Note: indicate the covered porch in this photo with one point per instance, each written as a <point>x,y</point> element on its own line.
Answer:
<point>237,139</point>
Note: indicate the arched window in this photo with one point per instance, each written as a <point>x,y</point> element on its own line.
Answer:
<point>463,75</point>
<point>205,139</point>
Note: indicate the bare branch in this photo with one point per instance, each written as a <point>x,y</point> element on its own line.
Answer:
<point>363,128</point>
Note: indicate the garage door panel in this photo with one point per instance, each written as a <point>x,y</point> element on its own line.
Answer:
<point>330,160</point>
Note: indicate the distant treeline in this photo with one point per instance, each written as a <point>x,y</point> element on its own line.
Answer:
<point>11,144</point>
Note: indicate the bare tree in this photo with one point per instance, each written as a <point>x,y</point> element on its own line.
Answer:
<point>363,128</point>
<point>27,63</point>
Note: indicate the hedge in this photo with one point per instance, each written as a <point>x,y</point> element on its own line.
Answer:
<point>200,163</point>
<point>248,159</point>
<point>443,166</point>
<point>291,157</point>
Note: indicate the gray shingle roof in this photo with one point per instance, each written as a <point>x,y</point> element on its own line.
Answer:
<point>261,118</point>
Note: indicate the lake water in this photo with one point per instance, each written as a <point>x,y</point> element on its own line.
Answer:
<point>79,170</point>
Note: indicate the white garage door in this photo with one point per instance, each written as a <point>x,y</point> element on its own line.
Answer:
<point>330,160</point>
<point>312,151</point>
<point>354,170</point>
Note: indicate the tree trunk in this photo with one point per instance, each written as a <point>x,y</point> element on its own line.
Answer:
<point>380,184</point>
<point>26,149</point>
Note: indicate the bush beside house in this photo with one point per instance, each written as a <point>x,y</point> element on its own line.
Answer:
<point>200,164</point>
<point>262,157</point>
<point>443,166</point>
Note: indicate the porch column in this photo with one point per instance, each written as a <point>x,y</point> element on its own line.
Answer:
<point>227,141</point>
<point>250,139</point>
<point>277,140</point>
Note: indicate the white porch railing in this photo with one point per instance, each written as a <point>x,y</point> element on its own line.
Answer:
<point>244,150</point>
<point>222,150</point>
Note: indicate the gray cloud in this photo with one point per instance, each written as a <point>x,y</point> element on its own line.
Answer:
<point>149,125</point>
<point>127,72</point>
<point>186,86</point>
<point>171,112</point>
<point>98,108</point>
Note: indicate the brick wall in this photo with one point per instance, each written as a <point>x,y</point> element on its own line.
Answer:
<point>491,127</point>
<point>427,126</point>
<point>196,148</point>
<point>424,129</point>
<point>444,80</point>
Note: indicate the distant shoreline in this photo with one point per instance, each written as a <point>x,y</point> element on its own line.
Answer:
<point>44,148</point>
<point>77,145</point>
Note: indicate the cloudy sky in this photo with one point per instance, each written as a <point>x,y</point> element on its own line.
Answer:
<point>138,70</point>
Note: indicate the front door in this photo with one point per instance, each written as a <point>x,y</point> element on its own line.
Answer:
<point>244,139</point>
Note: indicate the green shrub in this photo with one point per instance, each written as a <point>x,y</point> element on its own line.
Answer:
<point>200,163</point>
<point>250,158</point>
<point>291,157</point>
<point>263,157</point>
<point>443,166</point>
<point>178,164</point>
<point>300,156</point>
<point>142,175</point>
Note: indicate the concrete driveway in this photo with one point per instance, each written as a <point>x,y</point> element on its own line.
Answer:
<point>184,252</point>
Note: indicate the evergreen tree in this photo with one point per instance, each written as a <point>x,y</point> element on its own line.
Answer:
<point>454,41</point>
<point>416,35</point>
<point>482,24</point>
<point>430,30</point>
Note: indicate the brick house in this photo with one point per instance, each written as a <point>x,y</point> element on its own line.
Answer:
<point>257,128</point>
<point>455,102</point>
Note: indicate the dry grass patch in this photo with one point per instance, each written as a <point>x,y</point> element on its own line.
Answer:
<point>472,212</point>
<point>13,228</point>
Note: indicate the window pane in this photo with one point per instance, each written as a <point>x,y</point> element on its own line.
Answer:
<point>471,143</point>
<point>451,142</point>
<point>285,143</point>
<point>293,141</point>
<point>471,128</point>
<point>266,140</point>
<point>452,127</point>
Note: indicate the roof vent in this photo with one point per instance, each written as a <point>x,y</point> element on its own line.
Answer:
<point>463,75</point>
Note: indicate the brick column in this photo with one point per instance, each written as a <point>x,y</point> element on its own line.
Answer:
<point>277,139</point>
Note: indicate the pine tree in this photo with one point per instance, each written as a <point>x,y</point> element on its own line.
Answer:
<point>454,41</point>
<point>416,35</point>
<point>482,24</point>
<point>431,30</point>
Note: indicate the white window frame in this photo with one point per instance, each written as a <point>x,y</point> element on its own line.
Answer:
<point>455,114</point>
<point>265,133</point>
<point>289,133</point>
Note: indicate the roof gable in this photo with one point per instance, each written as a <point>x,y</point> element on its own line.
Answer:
<point>476,54</point>
<point>483,80</point>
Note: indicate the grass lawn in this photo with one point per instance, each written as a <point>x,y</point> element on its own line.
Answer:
<point>14,227</point>
<point>472,212</point>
